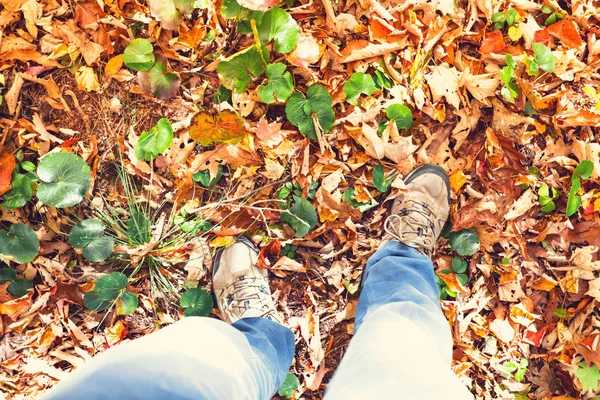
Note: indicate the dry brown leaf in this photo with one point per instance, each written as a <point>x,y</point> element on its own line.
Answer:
<point>86,79</point>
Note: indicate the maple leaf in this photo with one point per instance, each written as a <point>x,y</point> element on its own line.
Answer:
<point>588,377</point>
<point>225,127</point>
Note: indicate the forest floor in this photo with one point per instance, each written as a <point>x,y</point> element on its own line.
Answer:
<point>294,124</point>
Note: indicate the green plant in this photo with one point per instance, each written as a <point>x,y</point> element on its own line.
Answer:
<point>443,290</point>
<point>546,196</point>
<point>279,85</point>
<point>301,216</point>
<point>509,17</point>
<point>203,177</point>
<point>459,269</point>
<point>401,115</point>
<point>588,376</point>
<point>381,80</point>
<point>236,71</point>
<point>64,179</point>
<point>510,91</point>
<point>288,251</point>
<point>111,289</point>
<point>22,184</point>
<point>359,83</point>
<point>155,141</point>
<point>583,171</point>
<point>279,26</point>
<point>295,188</point>
<point>553,16</point>
<point>311,113</point>
<point>138,55</point>
<point>289,386</point>
<point>380,181</point>
<point>464,242</point>
<point>508,368</point>
<point>18,287</point>
<point>19,243</point>
<point>543,59</point>
<point>196,302</point>
<point>89,236</point>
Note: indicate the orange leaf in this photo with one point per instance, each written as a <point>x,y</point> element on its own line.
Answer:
<point>7,165</point>
<point>566,31</point>
<point>492,43</point>
<point>542,36</point>
<point>113,65</point>
<point>226,127</point>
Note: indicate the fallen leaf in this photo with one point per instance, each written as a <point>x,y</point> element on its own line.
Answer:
<point>7,165</point>
<point>87,80</point>
<point>225,127</point>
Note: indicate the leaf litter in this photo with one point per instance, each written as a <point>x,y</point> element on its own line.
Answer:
<point>295,123</point>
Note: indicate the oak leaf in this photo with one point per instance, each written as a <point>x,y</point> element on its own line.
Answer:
<point>225,127</point>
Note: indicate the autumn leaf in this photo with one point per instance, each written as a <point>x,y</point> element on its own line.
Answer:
<point>492,43</point>
<point>7,165</point>
<point>225,127</point>
<point>87,80</point>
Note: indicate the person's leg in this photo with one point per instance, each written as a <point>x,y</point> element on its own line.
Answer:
<point>195,358</point>
<point>199,358</point>
<point>402,348</point>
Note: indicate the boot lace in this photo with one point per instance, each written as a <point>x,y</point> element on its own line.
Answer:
<point>413,225</point>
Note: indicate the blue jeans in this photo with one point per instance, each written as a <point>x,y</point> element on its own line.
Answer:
<point>402,349</point>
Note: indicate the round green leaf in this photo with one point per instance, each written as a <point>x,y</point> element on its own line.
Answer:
<point>94,303</point>
<point>301,216</point>
<point>99,249</point>
<point>20,287</point>
<point>138,55</point>
<point>584,169</point>
<point>110,286</point>
<point>155,141</point>
<point>7,275</point>
<point>65,179</point>
<point>465,242</point>
<point>543,57</point>
<point>203,177</point>
<point>237,70</point>
<point>358,84</point>
<point>127,303</point>
<point>279,25</point>
<point>300,110</point>
<point>85,232</point>
<point>19,243</point>
<point>401,114</point>
<point>20,193</point>
<point>289,386</point>
<point>279,87</point>
<point>197,302</point>
<point>463,279</point>
<point>458,266</point>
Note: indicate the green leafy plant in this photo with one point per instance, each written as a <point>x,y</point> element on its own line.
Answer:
<point>546,196</point>
<point>348,197</point>
<point>459,269</point>
<point>279,85</point>
<point>543,59</point>
<point>138,55</point>
<point>236,71</point>
<point>203,177</point>
<point>295,188</point>
<point>359,83</point>
<point>278,25</point>
<point>381,80</point>
<point>231,9</point>
<point>509,17</point>
<point>289,251</point>
<point>443,290</point>
<point>588,376</point>
<point>510,91</point>
<point>196,302</point>
<point>19,243</point>
<point>314,108</point>
<point>301,216</point>
<point>64,179</point>
<point>158,82</point>
<point>583,171</point>
<point>89,236</point>
<point>154,141</point>
<point>508,368</point>
<point>401,115</point>
<point>18,287</point>
<point>111,289</point>
<point>553,16</point>
<point>380,181</point>
<point>289,386</point>
<point>22,184</point>
<point>464,242</point>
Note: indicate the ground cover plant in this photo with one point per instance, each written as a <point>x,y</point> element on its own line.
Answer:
<point>139,137</point>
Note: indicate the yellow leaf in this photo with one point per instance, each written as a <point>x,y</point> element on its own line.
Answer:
<point>226,127</point>
<point>222,241</point>
<point>515,33</point>
<point>86,79</point>
<point>115,333</point>
<point>457,180</point>
<point>113,65</point>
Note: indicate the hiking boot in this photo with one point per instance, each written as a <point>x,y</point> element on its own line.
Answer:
<point>241,288</point>
<point>418,216</point>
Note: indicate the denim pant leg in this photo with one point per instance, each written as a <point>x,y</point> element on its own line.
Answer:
<point>195,358</point>
<point>402,348</point>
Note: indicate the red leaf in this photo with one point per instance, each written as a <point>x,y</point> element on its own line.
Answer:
<point>492,43</point>
<point>272,249</point>
<point>542,36</point>
<point>566,31</point>
<point>7,165</point>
